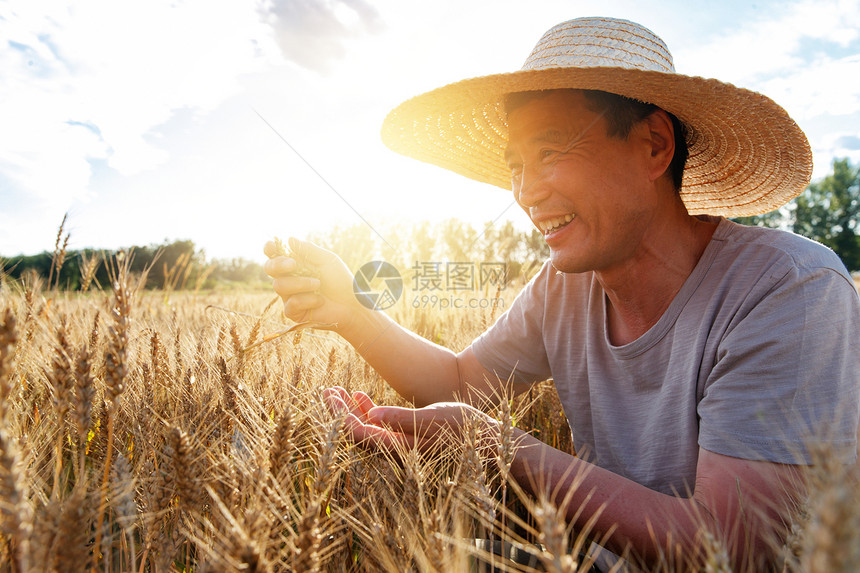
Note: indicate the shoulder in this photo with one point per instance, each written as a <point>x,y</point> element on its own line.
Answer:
<point>779,252</point>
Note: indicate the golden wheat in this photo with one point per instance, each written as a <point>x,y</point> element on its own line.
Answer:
<point>133,438</point>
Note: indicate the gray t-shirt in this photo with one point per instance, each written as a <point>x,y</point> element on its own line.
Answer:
<point>756,355</point>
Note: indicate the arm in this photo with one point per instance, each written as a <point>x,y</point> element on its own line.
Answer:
<point>742,503</point>
<point>417,369</point>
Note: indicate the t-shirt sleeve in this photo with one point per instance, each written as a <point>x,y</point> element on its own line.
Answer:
<point>787,375</point>
<point>513,347</point>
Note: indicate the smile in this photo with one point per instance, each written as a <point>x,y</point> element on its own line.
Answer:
<point>555,223</point>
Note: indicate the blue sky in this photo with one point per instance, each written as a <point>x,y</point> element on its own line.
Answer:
<point>142,120</point>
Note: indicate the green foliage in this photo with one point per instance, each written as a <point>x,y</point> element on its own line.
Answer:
<point>238,271</point>
<point>175,264</point>
<point>179,265</point>
<point>828,211</point>
<point>773,220</point>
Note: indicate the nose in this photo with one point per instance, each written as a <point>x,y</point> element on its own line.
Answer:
<point>530,188</point>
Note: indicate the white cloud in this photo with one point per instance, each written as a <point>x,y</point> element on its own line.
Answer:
<point>763,48</point>
<point>45,166</point>
<point>805,57</point>
<point>122,68</point>
<point>164,91</point>
<point>827,86</point>
<point>835,145</point>
<point>312,33</point>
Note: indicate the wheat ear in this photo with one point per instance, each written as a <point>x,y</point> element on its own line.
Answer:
<point>84,394</point>
<point>8,341</point>
<point>16,515</point>
<point>122,499</point>
<point>62,381</point>
<point>306,555</point>
<point>116,369</point>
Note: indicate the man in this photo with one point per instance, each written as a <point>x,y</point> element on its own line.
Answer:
<point>695,358</point>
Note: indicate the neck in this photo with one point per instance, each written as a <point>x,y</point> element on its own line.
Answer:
<point>641,289</point>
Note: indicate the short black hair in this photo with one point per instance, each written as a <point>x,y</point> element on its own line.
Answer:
<point>621,113</point>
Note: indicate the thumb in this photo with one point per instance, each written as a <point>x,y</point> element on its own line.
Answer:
<point>310,252</point>
<point>402,419</point>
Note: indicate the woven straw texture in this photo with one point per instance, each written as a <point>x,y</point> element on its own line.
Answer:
<point>746,155</point>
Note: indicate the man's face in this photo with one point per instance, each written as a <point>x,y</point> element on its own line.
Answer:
<point>585,191</point>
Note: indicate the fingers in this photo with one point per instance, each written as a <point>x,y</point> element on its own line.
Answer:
<point>298,295</point>
<point>280,266</point>
<point>280,263</point>
<point>341,403</point>
<point>300,307</point>
<point>364,403</point>
<point>288,286</point>
<point>404,420</point>
<point>395,429</point>
<point>310,252</point>
<point>409,428</point>
<point>371,436</point>
<point>351,405</point>
<point>337,399</point>
<point>270,249</point>
<point>334,399</point>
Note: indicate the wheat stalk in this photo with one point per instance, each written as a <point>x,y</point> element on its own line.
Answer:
<point>62,381</point>
<point>123,485</point>
<point>16,515</point>
<point>8,342</point>
<point>83,403</point>
<point>59,254</point>
<point>116,369</point>
<point>272,458</point>
<point>306,546</point>
<point>89,267</point>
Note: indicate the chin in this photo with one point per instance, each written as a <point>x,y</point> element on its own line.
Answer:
<point>565,264</point>
<point>572,259</point>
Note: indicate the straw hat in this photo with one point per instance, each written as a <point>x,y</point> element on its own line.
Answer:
<point>746,155</point>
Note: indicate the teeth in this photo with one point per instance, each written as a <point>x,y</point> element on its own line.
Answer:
<point>555,222</point>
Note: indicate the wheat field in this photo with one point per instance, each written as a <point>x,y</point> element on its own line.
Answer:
<point>152,431</point>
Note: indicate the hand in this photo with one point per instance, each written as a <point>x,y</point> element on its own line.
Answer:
<point>326,298</point>
<point>396,429</point>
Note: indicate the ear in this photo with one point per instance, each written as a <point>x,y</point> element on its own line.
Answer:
<point>661,138</point>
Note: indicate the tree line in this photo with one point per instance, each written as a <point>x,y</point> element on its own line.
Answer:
<point>180,265</point>
<point>172,265</point>
<point>827,211</point>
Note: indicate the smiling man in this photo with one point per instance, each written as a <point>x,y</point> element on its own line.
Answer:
<point>696,359</point>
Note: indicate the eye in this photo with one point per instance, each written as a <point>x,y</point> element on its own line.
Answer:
<point>547,154</point>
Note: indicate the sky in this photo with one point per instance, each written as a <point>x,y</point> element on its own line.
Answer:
<point>230,122</point>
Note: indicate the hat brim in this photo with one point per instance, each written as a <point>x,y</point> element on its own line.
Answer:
<point>746,155</point>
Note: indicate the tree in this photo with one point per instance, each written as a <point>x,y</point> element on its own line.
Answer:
<point>772,219</point>
<point>828,211</point>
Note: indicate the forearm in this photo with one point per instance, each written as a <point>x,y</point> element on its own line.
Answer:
<point>633,516</point>
<point>414,367</point>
